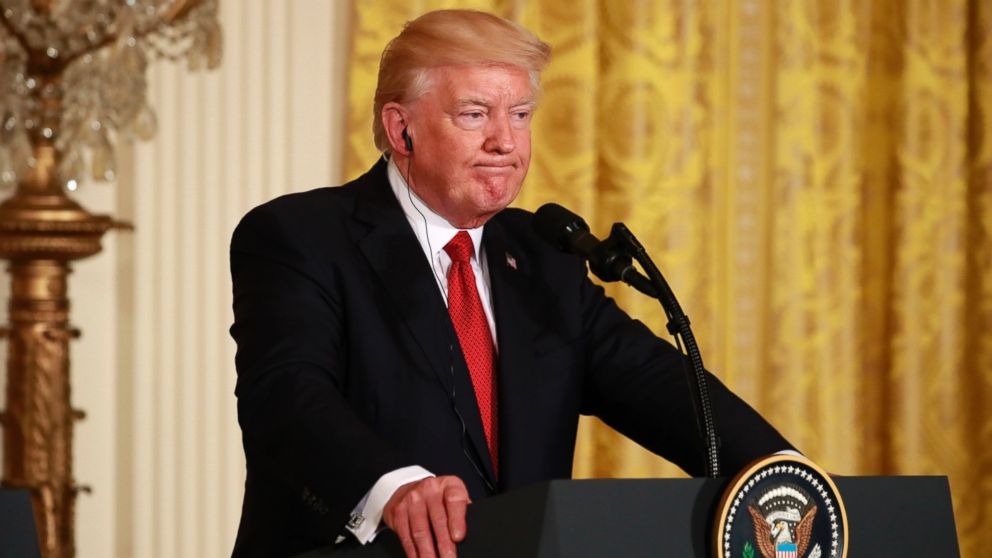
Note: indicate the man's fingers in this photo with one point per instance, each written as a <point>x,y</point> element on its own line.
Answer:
<point>439,522</point>
<point>420,526</point>
<point>399,522</point>
<point>408,547</point>
<point>455,503</point>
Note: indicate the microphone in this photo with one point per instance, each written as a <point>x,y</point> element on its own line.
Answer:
<point>607,259</point>
<point>612,260</point>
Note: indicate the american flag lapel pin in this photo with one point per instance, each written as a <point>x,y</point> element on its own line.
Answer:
<point>511,261</point>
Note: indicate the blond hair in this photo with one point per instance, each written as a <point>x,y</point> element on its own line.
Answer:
<point>445,37</point>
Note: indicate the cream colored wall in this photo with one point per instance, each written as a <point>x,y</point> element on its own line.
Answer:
<point>154,369</point>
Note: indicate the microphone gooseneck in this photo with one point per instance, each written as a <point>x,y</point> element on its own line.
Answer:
<point>612,260</point>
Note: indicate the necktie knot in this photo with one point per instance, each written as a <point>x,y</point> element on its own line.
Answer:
<point>460,247</point>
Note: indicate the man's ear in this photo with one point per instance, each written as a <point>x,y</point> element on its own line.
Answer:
<point>395,121</point>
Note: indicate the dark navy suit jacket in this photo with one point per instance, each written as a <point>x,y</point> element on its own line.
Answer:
<point>348,365</point>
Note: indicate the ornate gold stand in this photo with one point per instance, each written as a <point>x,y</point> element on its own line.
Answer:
<point>80,74</point>
<point>41,231</point>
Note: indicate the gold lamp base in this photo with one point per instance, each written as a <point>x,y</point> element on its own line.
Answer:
<point>41,231</point>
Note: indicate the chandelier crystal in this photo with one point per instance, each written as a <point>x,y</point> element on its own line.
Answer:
<point>72,75</point>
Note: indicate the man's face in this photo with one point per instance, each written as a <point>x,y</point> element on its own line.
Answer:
<point>471,138</point>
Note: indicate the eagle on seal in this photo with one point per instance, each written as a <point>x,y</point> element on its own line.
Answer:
<point>769,534</point>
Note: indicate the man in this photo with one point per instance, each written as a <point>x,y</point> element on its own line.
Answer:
<point>405,343</point>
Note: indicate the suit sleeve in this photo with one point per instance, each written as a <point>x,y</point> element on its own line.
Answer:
<point>298,430</point>
<point>637,383</point>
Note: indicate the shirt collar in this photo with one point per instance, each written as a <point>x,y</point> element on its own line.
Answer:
<point>432,230</point>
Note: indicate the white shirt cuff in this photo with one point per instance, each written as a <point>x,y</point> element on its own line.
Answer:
<point>366,517</point>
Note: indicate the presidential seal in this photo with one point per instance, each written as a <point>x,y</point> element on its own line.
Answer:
<point>781,507</point>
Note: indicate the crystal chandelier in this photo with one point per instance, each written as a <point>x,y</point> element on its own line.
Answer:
<point>72,75</point>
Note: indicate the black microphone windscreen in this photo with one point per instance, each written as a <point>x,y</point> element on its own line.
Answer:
<point>555,224</point>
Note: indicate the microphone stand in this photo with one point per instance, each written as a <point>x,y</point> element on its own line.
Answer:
<point>678,326</point>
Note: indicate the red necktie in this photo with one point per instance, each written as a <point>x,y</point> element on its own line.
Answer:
<point>474,336</point>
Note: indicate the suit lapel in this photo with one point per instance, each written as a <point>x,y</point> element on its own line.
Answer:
<point>517,308</point>
<point>393,251</point>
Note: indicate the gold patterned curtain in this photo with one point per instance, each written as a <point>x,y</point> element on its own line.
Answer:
<point>815,179</point>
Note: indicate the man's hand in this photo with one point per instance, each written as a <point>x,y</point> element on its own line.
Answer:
<point>426,512</point>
